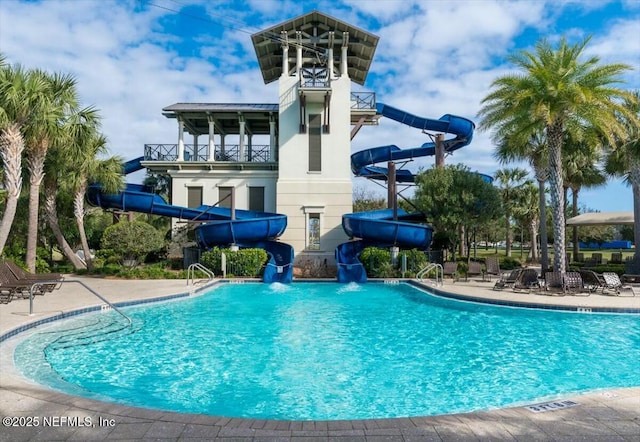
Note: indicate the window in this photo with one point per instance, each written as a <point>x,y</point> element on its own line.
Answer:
<point>315,142</point>
<point>224,197</point>
<point>313,231</point>
<point>194,197</point>
<point>256,199</point>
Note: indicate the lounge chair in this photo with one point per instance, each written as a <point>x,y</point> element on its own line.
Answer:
<point>572,283</point>
<point>23,275</point>
<point>592,281</point>
<point>553,282</point>
<point>475,269</point>
<point>527,280</point>
<point>616,258</point>
<point>450,268</point>
<point>493,267</point>
<point>508,279</point>
<point>19,287</point>
<point>612,282</point>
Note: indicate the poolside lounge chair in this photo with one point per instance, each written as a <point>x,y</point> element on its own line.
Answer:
<point>553,283</point>
<point>616,258</point>
<point>450,268</point>
<point>612,282</point>
<point>592,281</point>
<point>508,279</point>
<point>475,269</point>
<point>19,287</point>
<point>23,275</point>
<point>493,267</point>
<point>572,283</point>
<point>527,280</point>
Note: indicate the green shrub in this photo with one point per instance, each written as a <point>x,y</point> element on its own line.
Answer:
<point>373,258</point>
<point>244,262</point>
<point>132,240</point>
<point>416,260</point>
<point>509,263</point>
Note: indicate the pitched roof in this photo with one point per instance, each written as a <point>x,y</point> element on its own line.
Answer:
<point>314,27</point>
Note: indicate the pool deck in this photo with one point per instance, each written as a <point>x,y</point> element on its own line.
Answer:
<point>608,415</point>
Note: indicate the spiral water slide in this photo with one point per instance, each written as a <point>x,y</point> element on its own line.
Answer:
<point>216,228</point>
<point>381,228</point>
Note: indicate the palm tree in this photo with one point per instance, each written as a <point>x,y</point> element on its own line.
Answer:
<point>532,148</point>
<point>528,214</point>
<point>56,102</point>
<point>581,172</point>
<point>510,182</point>
<point>20,93</point>
<point>60,167</point>
<point>558,94</point>
<point>623,159</point>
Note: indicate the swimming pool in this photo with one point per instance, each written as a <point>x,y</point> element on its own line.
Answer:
<point>330,351</point>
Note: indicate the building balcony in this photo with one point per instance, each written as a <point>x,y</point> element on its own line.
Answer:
<point>230,153</point>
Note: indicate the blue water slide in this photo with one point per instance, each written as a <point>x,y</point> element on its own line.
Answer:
<point>248,229</point>
<point>380,227</point>
<point>363,163</point>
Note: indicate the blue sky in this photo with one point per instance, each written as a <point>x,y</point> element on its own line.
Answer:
<point>133,57</point>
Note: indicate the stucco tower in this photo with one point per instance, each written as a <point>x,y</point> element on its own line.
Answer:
<point>314,58</point>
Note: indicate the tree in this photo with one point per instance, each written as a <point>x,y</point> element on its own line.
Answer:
<point>623,159</point>
<point>452,197</point>
<point>533,148</point>
<point>510,183</point>
<point>556,93</point>
<point>528,214</point>
<point>20,100</point>
<point>365,200</point>
<point>56,101</point>
<point>581,172</point>
<point>132,240</point>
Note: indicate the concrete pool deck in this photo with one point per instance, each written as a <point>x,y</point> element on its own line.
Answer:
<point>608,415</point>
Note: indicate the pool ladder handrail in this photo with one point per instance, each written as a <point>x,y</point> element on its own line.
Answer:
<point>428,268</point>
<point>191,270</point>
<point>77,281</point>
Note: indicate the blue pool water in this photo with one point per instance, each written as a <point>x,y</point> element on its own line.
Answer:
<point>330,351</point>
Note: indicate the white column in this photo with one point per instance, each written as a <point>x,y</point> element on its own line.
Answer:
<point>212,144</point>
<point>180,140</point>
<point>330,56</point>
<point>343,59</point>
<point>241,147</point>
<point>285,53</point>
<point>272,138</point>
<point>196,153</point>
<point>299,55</point>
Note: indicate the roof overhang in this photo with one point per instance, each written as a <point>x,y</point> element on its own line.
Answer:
<point>314,28</point>
<point>602,219</point>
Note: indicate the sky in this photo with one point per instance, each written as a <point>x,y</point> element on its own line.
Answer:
<point>131,58</point>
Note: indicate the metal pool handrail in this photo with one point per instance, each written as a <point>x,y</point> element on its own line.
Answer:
<point>191,270</point>
<point>428,268</point>
<point>98,295</point>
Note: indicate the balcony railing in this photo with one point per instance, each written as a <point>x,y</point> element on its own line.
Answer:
<point>363,100</point>
<point>169,152</point>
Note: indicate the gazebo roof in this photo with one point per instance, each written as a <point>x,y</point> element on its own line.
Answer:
<point>601,219</point>
<point>314,27</point>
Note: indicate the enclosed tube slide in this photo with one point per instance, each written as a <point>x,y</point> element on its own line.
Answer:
<point>248,229</point>
<point>379,227</point>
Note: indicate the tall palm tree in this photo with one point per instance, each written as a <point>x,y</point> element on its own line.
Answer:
<point>20,93</point>
<point>528,214</point>
<point>623,159</point>
<point>581,171</point>
<point>532,148</point>
<point>510,183</point>
<point>58,100</point>
<point>60,166</point>
<point>557,93</point>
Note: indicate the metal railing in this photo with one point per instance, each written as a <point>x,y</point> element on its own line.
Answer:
<point>363,100</point>
<point>431,266</point>
<point>257,153</point>
<point>191,270</point>
<point>314,77</point>
<point>98,295</point>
